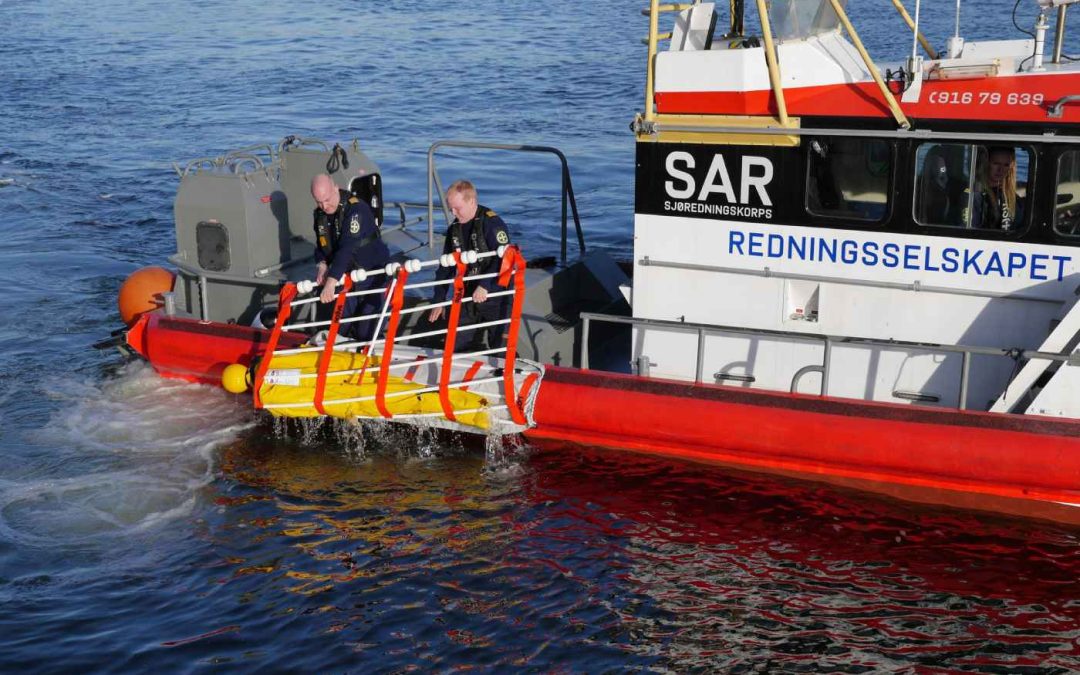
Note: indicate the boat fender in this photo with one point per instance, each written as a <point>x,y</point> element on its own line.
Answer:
<point>141,292</point>
<point>236,379</point>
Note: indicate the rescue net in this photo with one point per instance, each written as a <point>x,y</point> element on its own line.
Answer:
<point>386,377</point>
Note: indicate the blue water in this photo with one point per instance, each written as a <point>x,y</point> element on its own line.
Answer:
<point>148,524</point>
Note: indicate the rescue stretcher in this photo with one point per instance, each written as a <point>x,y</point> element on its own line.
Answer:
<point>387,378</point>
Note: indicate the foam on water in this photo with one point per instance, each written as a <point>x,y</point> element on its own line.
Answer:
<point>148,444</point>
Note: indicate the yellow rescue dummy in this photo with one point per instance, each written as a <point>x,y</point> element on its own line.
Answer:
<point>288,390</point>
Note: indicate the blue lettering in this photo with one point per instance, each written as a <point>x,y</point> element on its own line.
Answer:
<point>869,255</point>
<point>755,244</point>
<point>949,260</point>
<point>891,253</point>
<point>735,241</point>
<point>778,251</point>
<point>849,251</point>
<point>994,264</point>
<point>1061,260</point>
<point>796,247</point>
<point>911,254</point>
<point>1017,262</point>
<point>1038,265</point>
<point>972,261</point>
<point>826,248</point>
<point>926,261</point>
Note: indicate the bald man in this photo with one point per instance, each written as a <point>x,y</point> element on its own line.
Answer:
<point>347,238</point>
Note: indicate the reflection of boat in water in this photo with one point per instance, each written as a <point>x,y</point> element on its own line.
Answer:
<point>846,270</point>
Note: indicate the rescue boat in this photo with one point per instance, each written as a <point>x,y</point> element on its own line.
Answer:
<point>843,270</point>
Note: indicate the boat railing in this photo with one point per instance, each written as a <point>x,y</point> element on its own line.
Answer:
<point>645,124</point>
<point>828,343</point>
<point>385,335</point>
<point>567,191</point>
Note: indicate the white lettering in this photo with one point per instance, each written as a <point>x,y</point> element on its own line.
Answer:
<point>688,179</point>
<point>717,170</point>
<point>756,182</point>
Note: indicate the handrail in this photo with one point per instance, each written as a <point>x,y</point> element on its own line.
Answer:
<point>1058,108</point>
<point>890,100</point>
<point>300,141</point>
<point>567,186</point>
<point>930,51</point>
<point>650,69</point>
<point>912,134</point>
<point>773,64</point>
<point>827,340</point>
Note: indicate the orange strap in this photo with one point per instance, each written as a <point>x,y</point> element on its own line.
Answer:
<point>328,348</point>
<point>513,259</point>
<point>396,303</point>
<point>471,373</point>
<point>285,298</point>
<point>526,387</point>
<point>451,337</point>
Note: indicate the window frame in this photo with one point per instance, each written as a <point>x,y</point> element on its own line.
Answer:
<point>846,221</point>
<point>1017,232</point>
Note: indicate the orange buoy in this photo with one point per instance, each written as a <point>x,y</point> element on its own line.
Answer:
<point>141,292</point>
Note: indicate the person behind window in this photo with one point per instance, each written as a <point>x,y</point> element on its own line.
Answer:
<point>996,205</point>
<point>936,193</point>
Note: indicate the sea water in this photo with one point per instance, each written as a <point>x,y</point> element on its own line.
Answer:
<point>157,525</point>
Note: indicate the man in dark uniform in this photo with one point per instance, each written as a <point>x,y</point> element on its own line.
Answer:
<point>346,239</point>
<point>475,228</point>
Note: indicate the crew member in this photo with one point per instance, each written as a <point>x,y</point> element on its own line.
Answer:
<point>479,229</point>
<point>997,206</point>
<point>346,239</point>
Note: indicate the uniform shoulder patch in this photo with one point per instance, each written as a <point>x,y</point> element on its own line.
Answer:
<point>491,214</point>
<point>354,199</point>
<point>502,237</point>
<point>354,224</point>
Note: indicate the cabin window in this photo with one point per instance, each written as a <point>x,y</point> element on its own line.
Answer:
<point>848,178</point>
<point>971,186</point>
<point>1067,195</point>
<point>212,243</point>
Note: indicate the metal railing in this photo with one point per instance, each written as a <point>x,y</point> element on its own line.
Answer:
<point>567,187</point>
<point>828,343</point>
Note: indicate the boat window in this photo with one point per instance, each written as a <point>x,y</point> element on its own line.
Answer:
<point>800,19</point>
<point>971,186</point>
<point>1067,195</point>
<point>848,178</point>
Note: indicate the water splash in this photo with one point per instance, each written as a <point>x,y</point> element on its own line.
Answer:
<point>139,448</point>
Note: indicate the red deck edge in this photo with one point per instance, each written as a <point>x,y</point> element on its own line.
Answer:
<point>198,351</point>
<point>1025,458</point>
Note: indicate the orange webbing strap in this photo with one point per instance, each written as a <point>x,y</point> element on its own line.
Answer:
<point>285,298</point>
<point>513,260</point>
<point>328,348</point>
<point>396,302</point>
<point>526,387</point>
<point>451,336</point>
<point>471,373</point>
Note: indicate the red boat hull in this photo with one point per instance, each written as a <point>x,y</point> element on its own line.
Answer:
<point>198,351</point>
<point>1004,462</point>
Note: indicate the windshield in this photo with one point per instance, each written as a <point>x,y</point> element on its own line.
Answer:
<point>799,19</point>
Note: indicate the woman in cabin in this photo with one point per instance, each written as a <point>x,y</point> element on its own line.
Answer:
<point>997,206</point>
